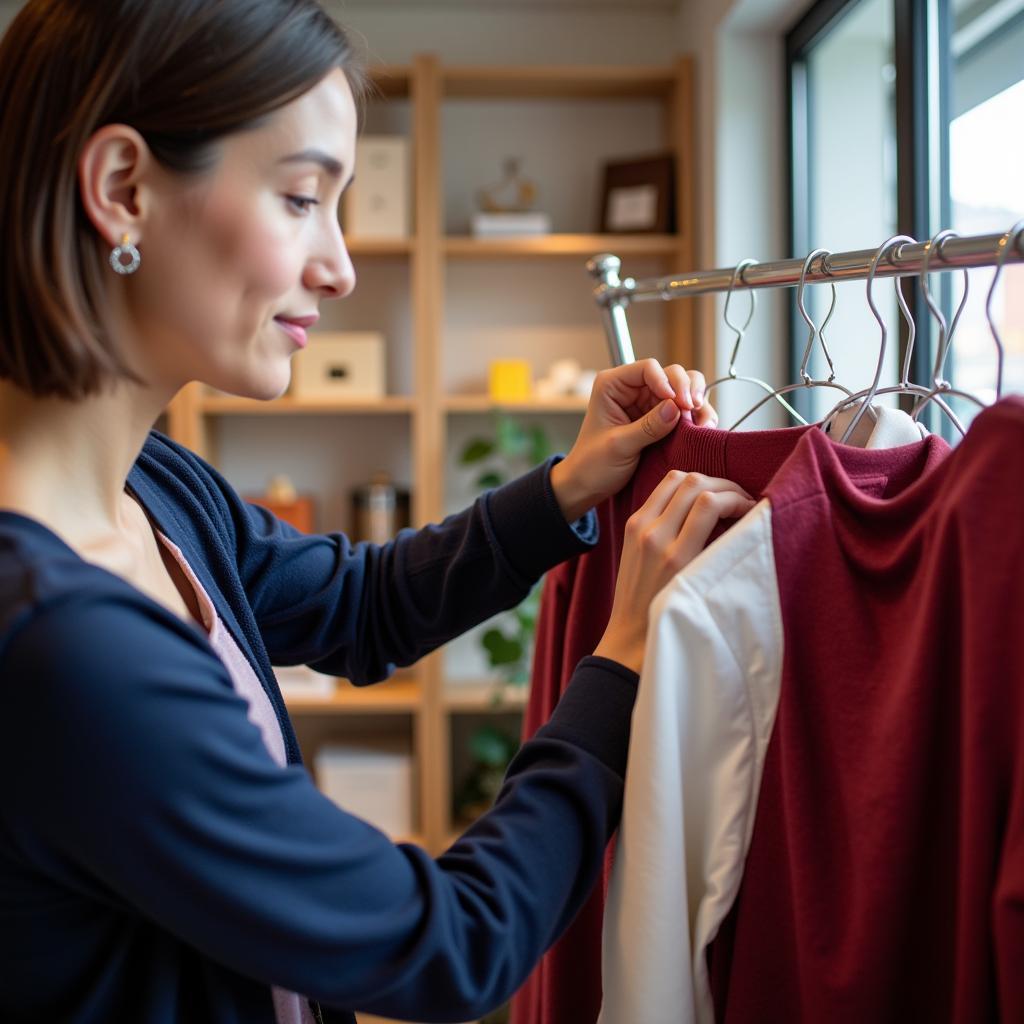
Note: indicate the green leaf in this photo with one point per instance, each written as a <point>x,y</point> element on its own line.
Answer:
<point>492,748</point>
<point>502,649</point>
<point>488,481</point>
<point>540,445</point>
<point>512,439</point>
<point>527,619</point>
<point>476,451</point>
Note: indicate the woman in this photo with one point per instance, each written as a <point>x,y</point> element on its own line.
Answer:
<point>167,194</point>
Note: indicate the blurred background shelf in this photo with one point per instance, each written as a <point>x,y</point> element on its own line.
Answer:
<point>398,696</point>
<point>484,403</point>
<point>485,696</point>
<point>583,246</point>
<point>228,405</point>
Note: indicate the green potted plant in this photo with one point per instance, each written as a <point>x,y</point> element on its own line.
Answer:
<point>508,642</point>
<point>512,450</point>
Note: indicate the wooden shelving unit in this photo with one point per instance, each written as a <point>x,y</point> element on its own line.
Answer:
<point>484,403</point>
<point>396,696</point>
<point>580,246</point>
<point>428,263</point>
<point>485,696</point>
<point>228,405</point>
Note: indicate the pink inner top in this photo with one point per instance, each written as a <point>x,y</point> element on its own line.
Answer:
<point>289,1007</point>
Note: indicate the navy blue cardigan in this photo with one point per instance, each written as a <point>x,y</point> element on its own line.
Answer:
<point>157,866</point>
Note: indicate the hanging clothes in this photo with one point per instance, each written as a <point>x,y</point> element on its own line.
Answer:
<point>852,639</point>
<point>565,987</point>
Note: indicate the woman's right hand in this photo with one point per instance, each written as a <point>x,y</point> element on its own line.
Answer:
<point>664,535</point>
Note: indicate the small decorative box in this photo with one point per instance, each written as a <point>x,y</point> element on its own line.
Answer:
<point>510,380</point>
<point>282,499</point>
<point>340,364</point>
<point>377,204</point>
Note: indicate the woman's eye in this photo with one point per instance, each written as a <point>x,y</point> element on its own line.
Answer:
<point>303,203</point>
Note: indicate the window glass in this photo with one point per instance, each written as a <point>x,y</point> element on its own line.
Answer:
<point>986,152</point>
<point>851,183</point>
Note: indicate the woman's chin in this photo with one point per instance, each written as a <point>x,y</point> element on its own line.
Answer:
<point>265,389</point>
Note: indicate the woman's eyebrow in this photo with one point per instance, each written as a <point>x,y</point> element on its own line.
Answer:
<point>315,156</point>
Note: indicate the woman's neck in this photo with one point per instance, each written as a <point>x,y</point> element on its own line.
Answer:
<point>66,463</point>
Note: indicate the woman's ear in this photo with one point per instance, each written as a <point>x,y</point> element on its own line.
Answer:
<point>113,172</point>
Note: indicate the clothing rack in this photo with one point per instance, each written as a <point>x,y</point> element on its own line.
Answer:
<point>905,258</point>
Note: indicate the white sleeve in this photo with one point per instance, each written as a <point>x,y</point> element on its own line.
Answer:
<point>705,710</point>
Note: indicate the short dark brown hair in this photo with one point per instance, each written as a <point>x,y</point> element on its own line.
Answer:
<point>183,73</point>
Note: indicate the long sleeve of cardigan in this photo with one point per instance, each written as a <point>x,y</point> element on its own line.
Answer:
<point>360,610</point>
<point>155,793</point>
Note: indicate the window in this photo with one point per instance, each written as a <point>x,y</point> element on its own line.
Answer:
<point>845,190</point>
<point>902,118</point>
<point>984,149</point>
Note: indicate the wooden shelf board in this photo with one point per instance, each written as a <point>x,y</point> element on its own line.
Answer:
<point>395,696</point>
<point>369,1018</point>
<point>379,246</point>
<point>479,697</point>
<point>416,840</point>
<point>229,405</point>
<point>483,403</point>
<point>391,81</point>
<point>554,82</point>
<point>465,247</point>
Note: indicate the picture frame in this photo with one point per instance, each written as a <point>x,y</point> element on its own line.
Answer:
<point>638,196</point>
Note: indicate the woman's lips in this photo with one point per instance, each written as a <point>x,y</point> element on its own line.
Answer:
<point>295,327</point>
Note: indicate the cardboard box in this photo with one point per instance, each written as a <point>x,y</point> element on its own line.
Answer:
<point>372,781</point>
<point>377,204</point>
<point>300,513</point>
<point>340,364</point>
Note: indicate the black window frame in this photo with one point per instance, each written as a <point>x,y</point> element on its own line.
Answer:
<point>914,168</point>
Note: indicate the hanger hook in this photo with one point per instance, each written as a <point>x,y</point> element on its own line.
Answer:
<point>946,332</point>
<point>737,274</point>
<point>908,316</point>
<point>814,331</point>
<point>895,243</point>
<point>1007,242</point>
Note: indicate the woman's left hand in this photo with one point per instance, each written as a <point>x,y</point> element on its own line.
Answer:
<point>631,407</point>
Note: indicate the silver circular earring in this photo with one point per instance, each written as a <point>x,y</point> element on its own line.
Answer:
<point>126,249</point>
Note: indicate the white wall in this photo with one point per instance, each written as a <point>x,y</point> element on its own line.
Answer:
<point>528,34</point>
<point>739,47</point>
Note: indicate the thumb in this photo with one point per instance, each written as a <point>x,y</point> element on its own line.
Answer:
<point>652,426</point>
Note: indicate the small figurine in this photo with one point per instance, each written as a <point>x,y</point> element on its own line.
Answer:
<point>513,194</point>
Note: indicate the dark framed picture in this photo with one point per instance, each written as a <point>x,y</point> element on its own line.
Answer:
<point>638,196</point>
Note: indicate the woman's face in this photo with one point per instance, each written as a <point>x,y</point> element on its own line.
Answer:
<point>236,263</point>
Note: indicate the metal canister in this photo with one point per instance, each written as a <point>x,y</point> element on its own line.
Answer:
<point>379,510</point>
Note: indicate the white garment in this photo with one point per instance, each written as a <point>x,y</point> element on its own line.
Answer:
<point>703,718</point>
<point>890,428</point>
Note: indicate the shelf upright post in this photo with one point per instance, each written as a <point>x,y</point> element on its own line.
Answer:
<point>680,134</point>
<point>431,724</point>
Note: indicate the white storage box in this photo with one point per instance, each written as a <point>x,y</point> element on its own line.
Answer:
<point>372,781</point>
<point>302,682</point>
<point>377,204</point>
<point>340,364</point>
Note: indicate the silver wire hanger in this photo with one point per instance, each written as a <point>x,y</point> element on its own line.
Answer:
<point>814,332</point>
<point>940,386</point>
<point>905,386</point>
<point>731,373</point>
<point>1006,243</point>
<point>868,395</point>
